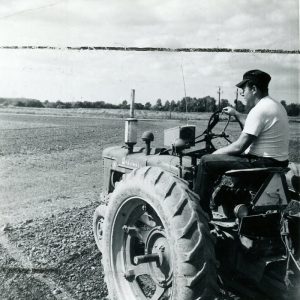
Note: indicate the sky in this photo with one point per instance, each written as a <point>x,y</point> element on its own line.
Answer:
<point>109,76</point>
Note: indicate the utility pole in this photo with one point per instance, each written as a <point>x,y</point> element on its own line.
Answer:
<point>236,98</point>
<point>219,92</point>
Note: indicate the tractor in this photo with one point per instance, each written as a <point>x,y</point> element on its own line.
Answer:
<point>156,241</point>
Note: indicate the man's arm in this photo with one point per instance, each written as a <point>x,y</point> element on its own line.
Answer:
<point>239,146</point>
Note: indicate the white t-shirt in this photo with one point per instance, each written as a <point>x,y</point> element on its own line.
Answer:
<point>268,121</point>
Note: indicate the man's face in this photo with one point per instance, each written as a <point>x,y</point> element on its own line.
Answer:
<point>248,94</point>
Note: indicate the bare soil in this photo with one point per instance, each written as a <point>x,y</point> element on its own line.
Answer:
<point>50,184</point>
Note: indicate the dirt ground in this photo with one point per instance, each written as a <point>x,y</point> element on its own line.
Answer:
<point>50,184</point>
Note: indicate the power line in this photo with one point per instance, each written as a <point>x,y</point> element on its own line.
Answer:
<point>159,49</point>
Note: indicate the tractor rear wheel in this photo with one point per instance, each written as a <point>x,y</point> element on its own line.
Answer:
<point>156,240</point>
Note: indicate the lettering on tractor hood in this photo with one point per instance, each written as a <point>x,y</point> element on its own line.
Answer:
<point>130,163</point>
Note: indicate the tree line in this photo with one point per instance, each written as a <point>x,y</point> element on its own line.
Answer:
<point>190,104</point>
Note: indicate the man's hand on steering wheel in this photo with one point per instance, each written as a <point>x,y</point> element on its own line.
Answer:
<point>228,110</point>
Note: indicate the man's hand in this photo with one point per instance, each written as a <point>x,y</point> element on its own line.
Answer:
<point>230,111</point>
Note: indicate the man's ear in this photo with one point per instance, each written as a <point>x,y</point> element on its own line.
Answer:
<point>254,89</point>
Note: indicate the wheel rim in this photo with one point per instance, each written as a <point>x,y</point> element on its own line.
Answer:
<point>98,223</point>
<point>140,254</point>
<point>99,229</point>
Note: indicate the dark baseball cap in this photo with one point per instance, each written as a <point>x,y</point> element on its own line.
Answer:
<point>257,77</point>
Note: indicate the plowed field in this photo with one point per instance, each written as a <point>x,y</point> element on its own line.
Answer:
<point>50,182</point>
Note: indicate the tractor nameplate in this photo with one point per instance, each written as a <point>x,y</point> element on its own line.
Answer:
<point>130,163</point>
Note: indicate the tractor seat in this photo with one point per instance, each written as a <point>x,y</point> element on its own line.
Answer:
<point>255,171</point>
<point>271,180</point>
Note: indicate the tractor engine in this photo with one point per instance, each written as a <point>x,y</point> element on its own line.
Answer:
<point>231,197</point>
<point>235,194</point>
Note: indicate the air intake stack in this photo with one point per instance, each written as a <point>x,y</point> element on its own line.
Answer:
<point>131,126</point>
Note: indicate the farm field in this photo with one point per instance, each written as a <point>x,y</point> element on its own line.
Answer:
<point>50,183</point>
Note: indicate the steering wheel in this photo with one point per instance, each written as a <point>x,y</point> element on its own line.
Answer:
<point>209,135</point>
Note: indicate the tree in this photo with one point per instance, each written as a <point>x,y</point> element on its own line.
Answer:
<point>99,104</point>
<point>293,109</point>
<point>77,104</point>
<point>87,104</point>
<point>20,103</point>
<point>182,104</point>
<point>60,104</point>
<point>191,103</point>
<point>158,105</point>
<point>124,104</point>
<point>200,105</point>
<point>173,105</point>
<point>224,103</point>
<point>139,106</point>
<point>210,104</point>
<point>34,103</point>
<point>167,105</point>
<point>148,105</point>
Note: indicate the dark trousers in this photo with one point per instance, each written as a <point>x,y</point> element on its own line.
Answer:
<point>213,165</point>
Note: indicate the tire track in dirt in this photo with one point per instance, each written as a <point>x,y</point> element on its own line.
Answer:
<point>26,264</point>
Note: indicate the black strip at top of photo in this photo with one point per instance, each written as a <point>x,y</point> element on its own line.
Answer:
<point>159,49</point>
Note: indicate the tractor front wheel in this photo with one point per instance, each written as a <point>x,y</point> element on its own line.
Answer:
<point>156,240</point>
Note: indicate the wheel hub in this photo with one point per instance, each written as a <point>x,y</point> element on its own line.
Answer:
<point>161,269</point>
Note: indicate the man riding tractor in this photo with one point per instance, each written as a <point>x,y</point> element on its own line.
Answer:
<point>263,142</point>
<point>156,241</point>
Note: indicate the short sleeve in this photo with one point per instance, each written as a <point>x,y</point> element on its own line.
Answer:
<point>254,123</point>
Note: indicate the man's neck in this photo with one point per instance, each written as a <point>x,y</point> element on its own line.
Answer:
<point>261,96</point>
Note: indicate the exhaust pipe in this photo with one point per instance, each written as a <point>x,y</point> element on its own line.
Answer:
<point>131,126</point>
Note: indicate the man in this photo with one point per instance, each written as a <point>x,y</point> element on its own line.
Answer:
<point>263,142</point>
